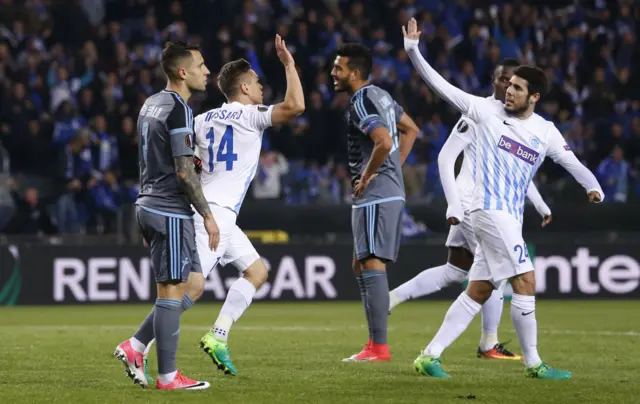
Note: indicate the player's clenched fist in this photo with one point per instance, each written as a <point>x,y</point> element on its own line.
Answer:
<point>594,196</point>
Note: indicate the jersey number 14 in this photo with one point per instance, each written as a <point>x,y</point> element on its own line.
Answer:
<point>225,149</point>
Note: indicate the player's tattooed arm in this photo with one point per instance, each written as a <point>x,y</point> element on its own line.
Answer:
<point>190,183</point>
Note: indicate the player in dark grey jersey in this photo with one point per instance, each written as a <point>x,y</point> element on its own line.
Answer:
<point>377,151</point>
<point>169,186</point>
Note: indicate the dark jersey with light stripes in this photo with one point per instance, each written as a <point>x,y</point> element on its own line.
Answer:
<point>372,107</point>
<point>165,130</point>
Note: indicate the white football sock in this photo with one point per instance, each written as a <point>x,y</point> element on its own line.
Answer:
<point>167,378</point>
<point>457,319</point>
<point>428,281</point>
<point>136,344</point>
<point>491,314</point>
<point>524,320</point>
<point>238,299</point>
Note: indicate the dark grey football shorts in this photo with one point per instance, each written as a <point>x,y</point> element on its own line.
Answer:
<point>172,243</point>
<point>377,230</point>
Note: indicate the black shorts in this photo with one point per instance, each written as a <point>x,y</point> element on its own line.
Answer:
<point>172,242</point>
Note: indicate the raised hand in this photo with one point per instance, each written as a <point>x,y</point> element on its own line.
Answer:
<point>283,52</point>
<point>411,30</point>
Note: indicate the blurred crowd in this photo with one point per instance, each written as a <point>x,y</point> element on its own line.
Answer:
<point>73,75</point>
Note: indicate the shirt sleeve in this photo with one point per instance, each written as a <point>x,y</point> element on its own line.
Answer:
<point>399,111</point>
<point>260,117</point>
<point>365,114</point>
<point>536,199</point>
<point>561,153</point>
<point>472,106</point>
<point>180,127</point>
<point>460,137</point>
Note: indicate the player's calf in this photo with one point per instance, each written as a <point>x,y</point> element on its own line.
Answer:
<point>240,296</point>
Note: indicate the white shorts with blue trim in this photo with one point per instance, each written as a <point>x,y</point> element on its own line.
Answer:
<point>501,253</point>
<point>234,246</point>
<point>377,230</point>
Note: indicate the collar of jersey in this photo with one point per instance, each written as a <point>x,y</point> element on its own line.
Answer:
<point>231,103</point>
<point>360,89</point>
<point>173,92</point>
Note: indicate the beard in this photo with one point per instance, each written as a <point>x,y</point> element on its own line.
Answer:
<point>517,111</point>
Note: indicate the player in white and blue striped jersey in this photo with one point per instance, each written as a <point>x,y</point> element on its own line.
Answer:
<point>511,144</point>
<point>461,241</point>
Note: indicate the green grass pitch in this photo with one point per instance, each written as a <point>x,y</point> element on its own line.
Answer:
<point>291,352</point>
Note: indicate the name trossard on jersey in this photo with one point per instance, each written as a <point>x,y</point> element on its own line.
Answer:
<point>228,141</point>
<point>165,127</point>
<point>372,107</point>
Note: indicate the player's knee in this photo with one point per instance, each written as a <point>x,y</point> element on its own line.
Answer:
<point>524,284</point>
<point>170,290</point>
<point>479,291</point>
<point>256,273</point>
<point>195,286</point>
<point>460,258</point>
<point>374,264</point>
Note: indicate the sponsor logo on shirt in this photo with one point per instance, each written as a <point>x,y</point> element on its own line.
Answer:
<point>519,150</point>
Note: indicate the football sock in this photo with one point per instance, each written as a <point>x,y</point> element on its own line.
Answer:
<point>457,319</point>
<point>491,314</point>
<point>145,333</point>
<point>363,295</point>
<point>377,290</point>
<point>238,299</point>
<point>523,317</point>
<point>429,281</point>
<point>166,324</point>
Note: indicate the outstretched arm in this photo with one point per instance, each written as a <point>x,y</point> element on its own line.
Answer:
<point>450,93</point>
<point>293,104</point>
<point>561,153</point>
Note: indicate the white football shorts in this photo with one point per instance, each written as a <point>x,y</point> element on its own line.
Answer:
<point>462,235</point>
<point>501,253</point>
<point>234,246</point>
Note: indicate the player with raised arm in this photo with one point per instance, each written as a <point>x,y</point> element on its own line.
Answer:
<point>169,186</point>
<point>461,240</point>
<point>511,143</point>
<point>376,154</point>
<point>228,146</point>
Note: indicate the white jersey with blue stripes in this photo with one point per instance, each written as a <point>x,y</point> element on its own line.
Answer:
<point>508,152</point>
<point>228,141</point>
<point>465,129</point>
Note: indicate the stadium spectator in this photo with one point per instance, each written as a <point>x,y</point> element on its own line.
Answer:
<point>73,76</point>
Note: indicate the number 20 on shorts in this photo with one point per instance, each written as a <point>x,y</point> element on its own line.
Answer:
<point>522,251</point>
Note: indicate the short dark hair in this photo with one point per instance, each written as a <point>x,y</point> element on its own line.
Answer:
<point>359,58</point>
<point>535,77</point>
<point>229,75</point>
<point>509,62</point>
<point>173,54</point>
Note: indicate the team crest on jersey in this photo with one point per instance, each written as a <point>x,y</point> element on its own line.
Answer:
<point>463,126</point>
<point>534,142</point>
